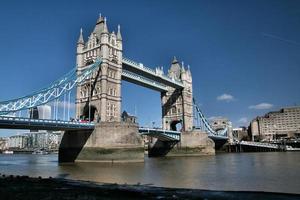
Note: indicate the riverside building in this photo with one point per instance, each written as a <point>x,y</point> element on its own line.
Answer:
<point>284,123</point>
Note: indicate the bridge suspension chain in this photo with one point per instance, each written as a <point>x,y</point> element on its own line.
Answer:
<point>50,93</point>
<point>205,124</point>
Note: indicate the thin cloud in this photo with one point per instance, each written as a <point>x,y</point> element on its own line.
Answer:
<point>225,97</point>
<point>214,117</point>
<point>280,38</point>
<point>243,120</point>
<point>261,106</point>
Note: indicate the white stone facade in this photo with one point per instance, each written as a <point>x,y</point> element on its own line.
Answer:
<point>177,104</point>
<point>104,88</point>
<point>282,123</point>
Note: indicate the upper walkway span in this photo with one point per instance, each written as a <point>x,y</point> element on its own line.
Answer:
<point>156,76</point>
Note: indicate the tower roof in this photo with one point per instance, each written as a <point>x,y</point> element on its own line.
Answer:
<point>99,26</point>
<point>174,60</point>
<point>175,69</point>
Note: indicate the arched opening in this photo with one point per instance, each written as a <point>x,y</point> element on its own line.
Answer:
<point>89,113</point>
<point>176,125</point>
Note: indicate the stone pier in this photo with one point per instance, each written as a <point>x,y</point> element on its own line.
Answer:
<point>108,142</point>
<point>193,143</point>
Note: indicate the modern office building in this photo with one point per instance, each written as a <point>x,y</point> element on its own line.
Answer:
<point>17,141</point>
<point>284,123</point>
<point>36,140</point>
<point>3,143</point>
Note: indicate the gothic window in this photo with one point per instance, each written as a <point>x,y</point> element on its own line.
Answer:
<point>108,109</point>
<point>112,110</point>
<point>173,110</point>
<point>99,90</point>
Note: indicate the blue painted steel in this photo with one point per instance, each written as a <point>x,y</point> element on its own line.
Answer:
<point>42,124</point>
<point>164,135</point>
<point>146,82</point>
<point>50,93</point>
<point>151,73</point>
<point>212,133</point>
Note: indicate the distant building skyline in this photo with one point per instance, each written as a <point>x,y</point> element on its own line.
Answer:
<point>273,125</point>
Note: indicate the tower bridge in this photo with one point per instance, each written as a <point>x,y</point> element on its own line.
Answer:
<point>100,68</point>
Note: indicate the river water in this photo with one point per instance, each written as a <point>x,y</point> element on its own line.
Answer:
<point>270,171</point>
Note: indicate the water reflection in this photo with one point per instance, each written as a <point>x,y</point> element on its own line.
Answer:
<point>273,171</point>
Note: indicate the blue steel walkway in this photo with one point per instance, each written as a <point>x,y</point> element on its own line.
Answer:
<point>163,135</point>
<point>42,124</point>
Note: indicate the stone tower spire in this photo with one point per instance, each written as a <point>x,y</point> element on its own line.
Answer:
<point>79,52</point>
<point>105,29</point>
<point>80,39</point>
<point>119,36</point>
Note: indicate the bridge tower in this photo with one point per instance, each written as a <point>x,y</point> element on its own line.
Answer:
<point>99,98</point>
<point>177,104</point>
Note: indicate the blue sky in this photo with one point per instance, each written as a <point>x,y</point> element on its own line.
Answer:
<point>244,55</point>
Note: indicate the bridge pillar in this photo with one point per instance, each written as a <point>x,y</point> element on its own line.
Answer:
<point>177,104</point>
<point>192,143</point>
<point>108,142</point>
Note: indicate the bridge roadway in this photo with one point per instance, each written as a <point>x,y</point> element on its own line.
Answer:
<point>8,122</point>
<point>42,124</point>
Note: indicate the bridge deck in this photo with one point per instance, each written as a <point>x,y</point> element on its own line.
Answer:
<point>163,135</point>
<point>42,124</point>
<point>260,144</point>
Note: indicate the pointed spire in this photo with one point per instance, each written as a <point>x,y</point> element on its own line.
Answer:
<point>80,39</point>
<point>100,19</point>
<point>182,67</point>
<point>105,29</point>
<point>174,60</point>
<point>119,36</point>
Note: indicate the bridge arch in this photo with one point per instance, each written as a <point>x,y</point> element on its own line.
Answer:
<point>176,125</point>
<point>90,113</point>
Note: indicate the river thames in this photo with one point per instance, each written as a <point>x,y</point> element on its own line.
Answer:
<point>270,171</point>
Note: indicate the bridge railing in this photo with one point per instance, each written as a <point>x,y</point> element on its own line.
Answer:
<point>259,144</point>
<point>161,133</point>
<point>22,119</point>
